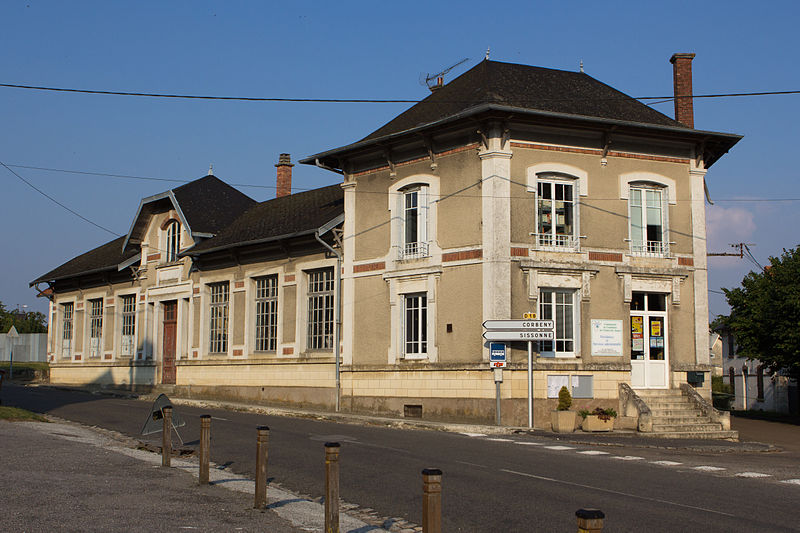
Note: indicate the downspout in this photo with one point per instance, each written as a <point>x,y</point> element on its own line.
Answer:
<point>337,313</point>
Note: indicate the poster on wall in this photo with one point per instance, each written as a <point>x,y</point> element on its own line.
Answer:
<point>637,333</point>
<point>554,384</point>
<point>607,338</point>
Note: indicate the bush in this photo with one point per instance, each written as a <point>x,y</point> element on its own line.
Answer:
<point>599,412</point>
<point>564,399</point>
<point>718,385</point>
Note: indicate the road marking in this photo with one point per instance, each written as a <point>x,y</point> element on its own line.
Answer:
<point>474,434</point>
<point>628,458</point>
<point>791,481</point>
<point>530,443</point>
<point>594,452</point>
<point>471,464</point>
<point>496,439</point>
<point>218,418</point>
<point>666,463</point>
<point>559,448</point>
<point>752,474</point>
<point>599,489</point>
<point>706,468</point>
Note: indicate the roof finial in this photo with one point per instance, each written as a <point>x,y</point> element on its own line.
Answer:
<point>487,53</point>
<point>581,65</point>
<point>211,169</point>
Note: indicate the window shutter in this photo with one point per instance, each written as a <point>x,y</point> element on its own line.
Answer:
<point>576,211</point>
<point>422,229</point>
<point>665,216</point>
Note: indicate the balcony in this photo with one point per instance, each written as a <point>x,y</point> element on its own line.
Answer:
<point>650,249</point>
<point>556,243</point>
<point>412,250</point>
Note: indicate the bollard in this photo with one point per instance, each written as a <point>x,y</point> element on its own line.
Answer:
<point>205,448</point>
<point>262,448</point>
<point>332,487</point>
<point>432,500</point>
<point>590,520</point>
<point>166,437</point>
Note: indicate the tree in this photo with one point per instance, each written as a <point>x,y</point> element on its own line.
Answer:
<point>33,322</point>
<point>765,314</point>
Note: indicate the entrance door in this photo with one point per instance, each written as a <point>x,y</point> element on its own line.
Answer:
<point>168,342</point>
<point>649,350</point>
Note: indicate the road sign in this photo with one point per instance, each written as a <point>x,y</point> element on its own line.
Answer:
<point>519,335</point>
<point>497,355</point>
<point>12,333</point>
<point>529,316</point>
<point>512,325</point>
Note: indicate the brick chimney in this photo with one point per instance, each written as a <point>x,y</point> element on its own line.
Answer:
<point>284,167</point>
<point>682,80</point>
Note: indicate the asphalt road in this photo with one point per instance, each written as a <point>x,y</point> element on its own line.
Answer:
<point>519,483</point>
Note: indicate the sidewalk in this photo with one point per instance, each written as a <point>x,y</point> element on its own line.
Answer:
<point>61,476</point>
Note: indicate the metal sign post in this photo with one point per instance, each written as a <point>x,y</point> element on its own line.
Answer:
<point>497,360</point>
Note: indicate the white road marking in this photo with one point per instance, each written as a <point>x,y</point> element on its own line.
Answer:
<point>791,481</point>
<point>599,489</point>
<point>666,463</point>
<point>752,474</point>
<point>706,468</point>
<point>628,458</point>
<point>495,439</point>
<point>471,464</point>
<point>530,443</point>
<point>559,448</point>
<point>474,434</point>
<point>594,452</point>
<point>218,418</point>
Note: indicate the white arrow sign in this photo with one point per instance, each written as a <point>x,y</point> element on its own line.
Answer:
<point>518,335</point>
<point>511,325</point>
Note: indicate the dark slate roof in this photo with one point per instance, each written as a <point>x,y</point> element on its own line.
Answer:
<point>526,87</point>
<point>102,258</point>
<point>279,218</point>
<point>209,204</point>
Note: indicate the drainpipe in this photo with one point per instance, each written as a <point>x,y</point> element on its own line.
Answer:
<point>337,312</point>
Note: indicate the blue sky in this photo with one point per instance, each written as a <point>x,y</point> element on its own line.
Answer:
<point>371,50</point>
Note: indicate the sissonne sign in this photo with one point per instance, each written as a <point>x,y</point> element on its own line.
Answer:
<point>519,335</point>
<point>523,325</point>
<point>519,330</point>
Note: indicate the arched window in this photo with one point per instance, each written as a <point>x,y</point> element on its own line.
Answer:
<point>173,240</point>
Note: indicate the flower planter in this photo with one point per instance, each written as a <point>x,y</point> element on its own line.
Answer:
<point>563,421</point>
<point>595,423</point>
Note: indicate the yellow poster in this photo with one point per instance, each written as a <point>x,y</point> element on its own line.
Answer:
<point>655,328</point>
<point>637,325</point>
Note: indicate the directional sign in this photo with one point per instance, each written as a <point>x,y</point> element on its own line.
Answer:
<point>512,325</point>
<point>519,335</point>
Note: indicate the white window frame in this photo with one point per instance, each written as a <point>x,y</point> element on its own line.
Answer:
<point>415,325</point>
<point>127,325</point>
<point>95,319</point>
<point>320,296</point>
<point>67,329</point>
<point>219,294</point>
<point>553,241</point>
<point>426,188</point>
<point>265,313</point>
<point>646,247</point>
<point>553,314</point>
<point>172,241</point>
<point>415,207</point>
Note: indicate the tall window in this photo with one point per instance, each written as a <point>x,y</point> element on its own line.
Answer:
<point>66,330</point>
<point>415,223</point>
<point>415,324</point>
<point>218,342</point>
<point>128,325</point>
<point>320,309</point>
<point>558,305</point>
<point>267,313</point>
<point>555,215</point>
<point>648,221</point>
<point>173,241</point>
<point>95,327</point>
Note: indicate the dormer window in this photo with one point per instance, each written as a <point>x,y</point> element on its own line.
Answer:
<point>173,240</point>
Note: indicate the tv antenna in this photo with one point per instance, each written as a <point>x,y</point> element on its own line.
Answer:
<point>434,81</point>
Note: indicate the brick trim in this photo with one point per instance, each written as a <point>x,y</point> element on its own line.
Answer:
<point>77,357</point>
<point>195,290</point>
<point>463,255</point>
<point>238,285</point>
<point>289,277</point>
<point>107,356</point>
<point>154,257</point>
<point>593,151</point>
<point>605,256</point>
<point>238,352</point>
<point>288,351</point>
<point>686,261</point>
<point>519,252</point>
<point>369,267</point>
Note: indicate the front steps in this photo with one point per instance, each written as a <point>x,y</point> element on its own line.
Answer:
<point>676,417</point>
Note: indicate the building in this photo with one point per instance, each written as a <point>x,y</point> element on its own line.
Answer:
<point>512,190</point>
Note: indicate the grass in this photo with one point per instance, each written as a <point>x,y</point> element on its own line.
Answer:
<point>15,414</point>
<point>20,366</point>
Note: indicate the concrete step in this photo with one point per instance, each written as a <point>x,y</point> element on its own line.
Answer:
<point>720,434</point>
<point>680,420</point>
<point>701,428</point>
<point>649,393</point>
<point>669,404</point>
<point>675,412</point>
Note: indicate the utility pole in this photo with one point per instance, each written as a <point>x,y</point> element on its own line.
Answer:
<point>741,246</point>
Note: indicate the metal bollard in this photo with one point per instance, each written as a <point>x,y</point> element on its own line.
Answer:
<point>205,448</point>
<point>262,448</point>
<point>166,437</point>
<point>432,500</point>
<point>590,520</point>
<point>332,487</point>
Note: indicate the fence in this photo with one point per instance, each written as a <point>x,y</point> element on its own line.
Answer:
<point>28,347</point>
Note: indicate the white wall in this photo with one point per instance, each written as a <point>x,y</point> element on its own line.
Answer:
<point>26,347</point>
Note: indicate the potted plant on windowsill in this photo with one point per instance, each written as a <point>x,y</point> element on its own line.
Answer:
<point>562,418</point>
<point>598,420</point>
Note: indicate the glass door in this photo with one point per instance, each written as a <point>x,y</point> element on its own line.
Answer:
<point>649,361</point>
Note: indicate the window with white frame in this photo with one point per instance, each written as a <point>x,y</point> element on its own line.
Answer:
<point>173,241</point>
<point>648,221</point>
<point>266,314</point>
<point>559,305</point>
<point>414,237</point>
<point>218,317</point>
<point>320,309</point>
<point>66,329</point>
<point>95,327</point>
<point>128,325</point>
<point>556,213</point>
<point>415,324</point>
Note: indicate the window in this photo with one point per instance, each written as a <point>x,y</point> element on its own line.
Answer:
<point>415,223</point>
<point>173,241</point>
<point>558,305</point>
<point>218,326</point>
<point>648,221</point>
<point>66,330</point>
<point>556,214</point>
<point>415,324</point>
<point>267,314</point>
<point>128,325</point>
<point>320,309</point>
<point>95,327</point>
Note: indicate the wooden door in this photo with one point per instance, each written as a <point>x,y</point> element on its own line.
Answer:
<point>169,341</point>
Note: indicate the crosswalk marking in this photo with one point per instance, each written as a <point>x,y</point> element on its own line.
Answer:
<point>752,474</point>
<point>706,468</point>
<point>559,448</point>
<point>791,481</point>
<point>628,458</point>
<point>593,452</point>
<point>496,439</point>
<point>530,443</point>
<point>474,434</point>
<point>666,463</point>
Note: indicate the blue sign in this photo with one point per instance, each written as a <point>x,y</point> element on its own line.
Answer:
<point>497,352</point>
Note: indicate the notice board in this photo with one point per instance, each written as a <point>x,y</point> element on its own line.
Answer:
<point>607,338</point>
